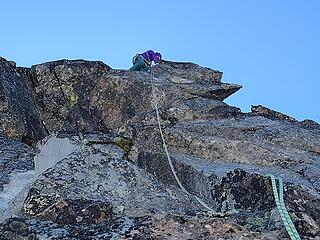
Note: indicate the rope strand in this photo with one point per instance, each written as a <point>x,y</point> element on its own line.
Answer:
<point>286,219</point>
<point>199,200</point>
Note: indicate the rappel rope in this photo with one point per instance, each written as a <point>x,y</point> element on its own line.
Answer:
<point>155,102</point>
<point>286,219</point>
<point>292,231</point>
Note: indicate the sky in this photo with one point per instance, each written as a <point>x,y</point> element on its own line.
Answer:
<point>270,47</point>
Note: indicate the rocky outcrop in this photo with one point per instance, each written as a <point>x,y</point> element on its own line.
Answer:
<point>184,72</point>
<point>103,173</point>
<point>267,112</point>
<point>86,96</point>
<point>14,156</point>
<point>19,116</point>
<point>63,90</point>
<point>227,162</point>
<point>96,192</point>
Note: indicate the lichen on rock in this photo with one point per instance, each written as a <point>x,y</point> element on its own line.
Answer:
<point>115,182</point>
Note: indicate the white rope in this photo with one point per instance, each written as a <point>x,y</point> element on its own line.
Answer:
<point>211,211</point>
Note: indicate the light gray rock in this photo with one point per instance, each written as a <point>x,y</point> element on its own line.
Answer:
<point>106,174</point>
<point>19,178</point>
<point>14,156</point>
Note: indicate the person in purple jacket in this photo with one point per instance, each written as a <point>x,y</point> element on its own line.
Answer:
<point>143,61</point>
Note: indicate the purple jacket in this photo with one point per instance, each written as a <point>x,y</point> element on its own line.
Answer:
<point>150,56</point>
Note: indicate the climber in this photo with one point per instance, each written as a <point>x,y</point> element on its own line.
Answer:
<point>143,62</point>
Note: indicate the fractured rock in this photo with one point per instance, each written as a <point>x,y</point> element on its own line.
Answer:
<point>105,173</point>
<point>19,116</point>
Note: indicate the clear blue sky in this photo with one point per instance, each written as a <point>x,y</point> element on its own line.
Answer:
<point>270,47</point>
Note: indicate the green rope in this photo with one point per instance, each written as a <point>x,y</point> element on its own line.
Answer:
<point>286,219</point>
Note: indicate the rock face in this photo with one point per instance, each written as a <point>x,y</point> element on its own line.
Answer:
<point>63,90</point>
<point>88,96</point>
<point>15,156</point>
<point>116,183</point>
<point>19,116</point>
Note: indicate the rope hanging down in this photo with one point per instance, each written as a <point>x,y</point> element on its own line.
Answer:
<point>286,219</point>
<point>199,200</point>
<point>293,234</point>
